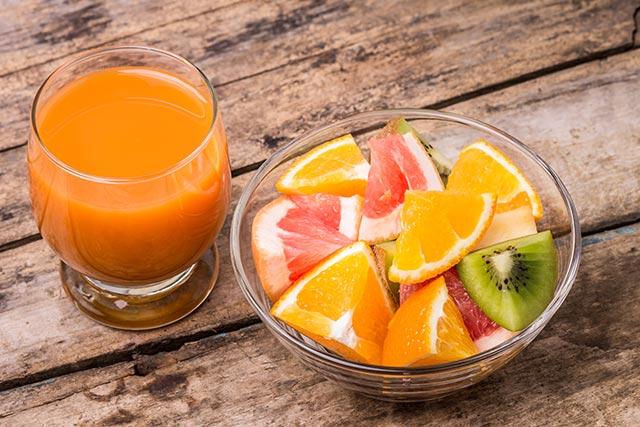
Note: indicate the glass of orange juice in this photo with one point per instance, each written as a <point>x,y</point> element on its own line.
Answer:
<point>130,182</point>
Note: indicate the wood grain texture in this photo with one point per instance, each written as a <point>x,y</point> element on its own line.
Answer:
<point>581,370</point>
<point>578,120</point>
<point>328,60</point>
<point>280,68</point>
<point>39,31</point>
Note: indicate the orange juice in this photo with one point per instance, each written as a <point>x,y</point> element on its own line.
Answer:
<point>135,185</point>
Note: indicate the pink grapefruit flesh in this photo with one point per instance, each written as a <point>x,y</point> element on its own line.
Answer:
<point>292,234</point>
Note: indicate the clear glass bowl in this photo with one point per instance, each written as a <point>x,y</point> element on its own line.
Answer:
<point>449,133</point>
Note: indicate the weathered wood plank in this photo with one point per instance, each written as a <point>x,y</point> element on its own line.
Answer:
<point>41,329</point>
<point>582,370</point>
<point>330,59</point>
<point>559,116</point>
<point>206,30</point>
<point>44,30</point>
<point>16,219</point>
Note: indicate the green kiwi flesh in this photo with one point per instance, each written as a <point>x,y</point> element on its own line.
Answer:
<point>402,127</point>
<point>512,282</point>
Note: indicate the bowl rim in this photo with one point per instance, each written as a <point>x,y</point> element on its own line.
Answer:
<point>563,284</point>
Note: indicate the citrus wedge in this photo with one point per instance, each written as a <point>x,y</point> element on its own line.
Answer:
<point>402,127</point>
<point>482,168</point>
<point>343,303</point>
<point>438,229</point>
<point>398,163</point>
<point>335,167</point>
<point>427,329</point>
<point>293,233</point>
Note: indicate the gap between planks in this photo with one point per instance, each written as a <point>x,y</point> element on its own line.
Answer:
<point>129,355</point>
<point>169,345</point>
<point>636,24</point>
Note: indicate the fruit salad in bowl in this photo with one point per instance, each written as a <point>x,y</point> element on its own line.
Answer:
<point>405,254</point>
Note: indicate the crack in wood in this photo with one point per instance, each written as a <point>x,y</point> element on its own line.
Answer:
<point>13,147</point>
<point>127,355</point>
<point>543,72</point>
<point>618,229</point>
<point>636,24</point>
<point>246,169</point>
<point>20,242</point>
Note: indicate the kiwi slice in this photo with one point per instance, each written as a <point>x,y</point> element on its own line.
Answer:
<point>402,127</point>
<point>512,281</point>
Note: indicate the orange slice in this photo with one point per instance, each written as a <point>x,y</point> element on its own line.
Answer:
<point>438,229</point>
<point>427,329</point>
<point>482,168</point>
<point>290,235</point>
<point>335,167</point>
<point>343,303</point>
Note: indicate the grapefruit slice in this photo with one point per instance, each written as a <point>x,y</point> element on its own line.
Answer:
<point>292,234</point>
<point>398,163</point>
<point>402,127</point>
<point>484,332</point>
<point>343,303</point>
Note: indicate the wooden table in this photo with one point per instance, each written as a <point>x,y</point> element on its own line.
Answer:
<point>563,76</point>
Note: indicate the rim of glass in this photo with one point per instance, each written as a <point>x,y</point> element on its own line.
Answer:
<point>93,53</point>
<point>564,284</point>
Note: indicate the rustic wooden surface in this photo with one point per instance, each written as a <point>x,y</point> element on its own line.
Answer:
<point>562,76</point>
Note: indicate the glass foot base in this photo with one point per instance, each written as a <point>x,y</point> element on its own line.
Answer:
<point>148,307</point>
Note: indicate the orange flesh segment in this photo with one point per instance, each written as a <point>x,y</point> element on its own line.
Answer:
<point>427,329</point>
<point>438,229</point>
<point>336,167</point>
<point>482,168</point>
<point>343,303</point>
